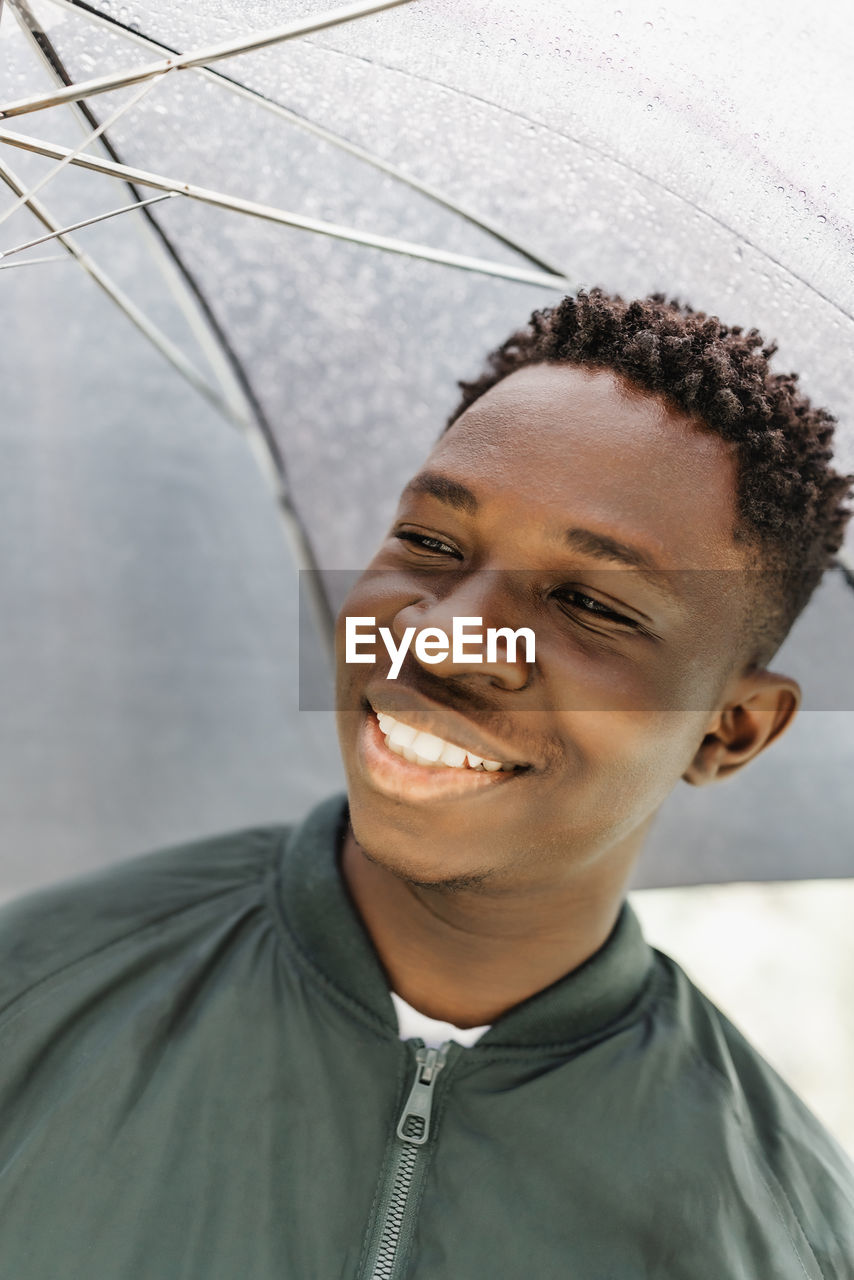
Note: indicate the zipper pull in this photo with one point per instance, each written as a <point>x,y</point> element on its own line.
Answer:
<point>414,1123</point>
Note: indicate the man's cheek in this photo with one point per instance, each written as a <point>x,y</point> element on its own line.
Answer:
<point>620,757</point>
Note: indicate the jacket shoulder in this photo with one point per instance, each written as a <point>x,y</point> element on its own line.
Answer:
<point>803,1166</point>
<point>53,929</point>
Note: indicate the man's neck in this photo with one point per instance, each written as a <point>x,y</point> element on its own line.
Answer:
<point>469,955</point>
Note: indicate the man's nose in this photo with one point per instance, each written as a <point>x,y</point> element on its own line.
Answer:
<point>487,597</point>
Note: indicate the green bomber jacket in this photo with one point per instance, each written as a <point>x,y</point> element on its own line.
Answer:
<point>201,1078</point>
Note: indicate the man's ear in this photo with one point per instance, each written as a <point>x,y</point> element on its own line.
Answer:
<point>758,710</point>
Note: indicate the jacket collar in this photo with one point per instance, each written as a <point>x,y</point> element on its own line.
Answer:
<point>321,917</point>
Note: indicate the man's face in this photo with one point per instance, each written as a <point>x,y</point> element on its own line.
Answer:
<point>529,512</point>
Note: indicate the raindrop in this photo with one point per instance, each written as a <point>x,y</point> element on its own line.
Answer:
<point>618,13</point>
<point>647,26</point>
<point>822,218</point>
<point>781,189</point>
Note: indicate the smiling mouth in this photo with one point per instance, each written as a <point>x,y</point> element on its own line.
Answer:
<point>429,749</point>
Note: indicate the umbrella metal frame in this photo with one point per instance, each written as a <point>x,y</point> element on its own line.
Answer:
<point>237,404</point>
<point>241,410</point>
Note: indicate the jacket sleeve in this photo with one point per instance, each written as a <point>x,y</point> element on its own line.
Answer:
<point>55,929</point>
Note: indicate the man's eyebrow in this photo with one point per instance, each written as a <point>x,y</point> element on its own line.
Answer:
<point>446,490</point>
<point>604,547</point>
<point>601,546</point>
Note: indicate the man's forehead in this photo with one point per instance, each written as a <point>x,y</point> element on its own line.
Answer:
<point>565,391</point>
<point>564,447</point>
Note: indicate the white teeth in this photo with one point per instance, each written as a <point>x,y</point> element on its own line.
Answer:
<point>454,756</point>
<point>401,735</point>
<point>429,749</point>
<point>428,746</point>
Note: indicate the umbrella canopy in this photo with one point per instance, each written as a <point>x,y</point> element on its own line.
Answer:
<point>353,208</point>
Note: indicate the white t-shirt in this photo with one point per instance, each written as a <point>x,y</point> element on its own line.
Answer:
<point>432,1031</point>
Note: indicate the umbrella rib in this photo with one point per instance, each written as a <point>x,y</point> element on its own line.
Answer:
<point>240,405</point>
<point>269,213</point>
<point>33,262</point>
<point>137,317</point>
<point>320,131</point>
<point>78,150</point>
<point>26,197</point>
<point>213,53</point>
<point>194,307</point>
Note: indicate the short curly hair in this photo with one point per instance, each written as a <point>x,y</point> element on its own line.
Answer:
<point>791,502</point>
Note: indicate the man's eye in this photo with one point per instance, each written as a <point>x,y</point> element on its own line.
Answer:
<point>595,608</point>
<point>421,540</point>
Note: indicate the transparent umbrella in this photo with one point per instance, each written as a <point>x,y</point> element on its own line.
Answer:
<point>334,218</point>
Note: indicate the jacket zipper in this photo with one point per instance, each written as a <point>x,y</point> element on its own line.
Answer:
<point>392,1223</point>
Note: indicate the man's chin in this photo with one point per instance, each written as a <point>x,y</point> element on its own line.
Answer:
<point>418,867</point>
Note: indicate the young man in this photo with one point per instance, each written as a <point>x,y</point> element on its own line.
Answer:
<point>420,1034</point>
